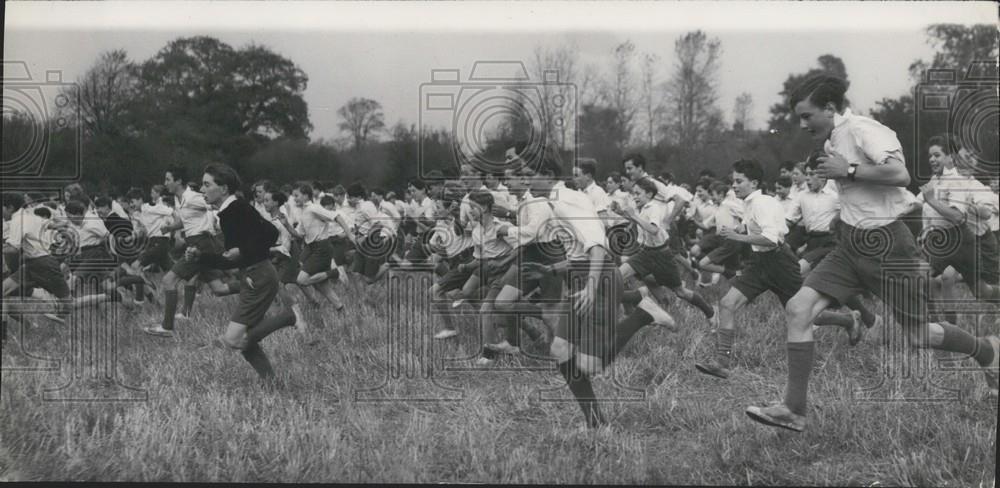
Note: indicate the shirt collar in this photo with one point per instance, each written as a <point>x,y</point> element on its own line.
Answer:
<point>838,119</point>
<point>950,172</point>
<point>226,202</point>
<point>752,195</point>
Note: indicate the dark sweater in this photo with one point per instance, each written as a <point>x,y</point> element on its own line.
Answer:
<point>245,229</point>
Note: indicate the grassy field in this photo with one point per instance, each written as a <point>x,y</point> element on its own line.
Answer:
<point>207,418</point>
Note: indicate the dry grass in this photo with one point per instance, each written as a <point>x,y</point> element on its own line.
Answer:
<point>207,418</point>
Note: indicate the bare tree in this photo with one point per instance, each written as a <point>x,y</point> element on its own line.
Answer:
<point>620,94</point>
<point>362,117</point>
<point>742,111</point>
<point>691,90</point>
<point>104,93</point>
<point>648,98</point>
<point>561,64</point>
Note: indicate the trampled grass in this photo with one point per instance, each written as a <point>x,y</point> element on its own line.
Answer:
<point>208,418</point>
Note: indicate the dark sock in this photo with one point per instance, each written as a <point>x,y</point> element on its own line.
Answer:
<point>827,317</point>
<point>169,309</point>
<point>583,391</point>
<point>140,291</point>
<point>854,303</point>
<point>189,292</point>
<point>702,305</point>
<point>724,346</point>
<point>333,274</point>
<point>960,341</point>
<point>258,360</point>
<point>629,326</point>
<point>631,297</point>
<point>269,325</point>
<point>800,363</point>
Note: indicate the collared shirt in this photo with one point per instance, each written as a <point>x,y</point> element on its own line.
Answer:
<point>793,213</point>
<point>29,233</point>
<point>765,216</point>
<point>194,214</point>
<point>679,194</point>
<point>653,212</point>
<point>365,217</point>
<point>487,244</point>
<point>426,208</point>
<point>293,212</point>
<point>392,215</point>
<point>575,215</point>
<point>317,222</point>
<point>864,141</point>
<point>966,194</point>
<point>598,197</point>
<point>445,238</point>
<point>154,218</point>
<point>702,211</point>
<point>533,215</point>
<point>229,201</point>
<point>818,209</point>
<point>730,212</point>
<point>115,208</point>
<point>92,230</point>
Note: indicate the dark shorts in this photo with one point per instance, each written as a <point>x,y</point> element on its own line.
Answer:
<point>883,260</point>
<point>286,268</point>
<point>658,262</point>
<point>817,247</point>
<point>975,257</point>
<point>776,271</point>
<point>548,253</point>
<point>676,239</point>
<point>592,333</point>
<point>255,301</point>
<point>796,237</point>
<point>455,277</point>
<point>207,244</point>
<point>92,262</point>
<point>709,241</point>
<point>44,273</point>
<point>729,253</point>
<point>373,252</point>
<point>157,252</point>
<point>338,247</point>
<point>316,256</point>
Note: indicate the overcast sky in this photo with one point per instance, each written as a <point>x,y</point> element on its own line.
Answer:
<point>385,50</point>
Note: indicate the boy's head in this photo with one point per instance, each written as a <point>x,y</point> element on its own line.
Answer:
<point>327,202</point>
<point>355,193</point>
<point>135,199</point>
<point>748,176</point>
<point>783,186</point>
<point>273,200</point>
<point>102,205</point>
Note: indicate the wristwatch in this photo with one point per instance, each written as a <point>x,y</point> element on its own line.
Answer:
<point>851,171</point>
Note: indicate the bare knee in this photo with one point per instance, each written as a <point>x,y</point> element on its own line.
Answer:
<point>798,311</point>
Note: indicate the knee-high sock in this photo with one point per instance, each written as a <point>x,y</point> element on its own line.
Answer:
<point>854,303</point>
<point>583,391</point>
<point>628,327</point>
<point>189,292</point>
<point>258,360</point>
<point>169,308</point>
<point>270,325</point>
<point>698,301</point>
<point>800,363</point>
<point>958,340</point>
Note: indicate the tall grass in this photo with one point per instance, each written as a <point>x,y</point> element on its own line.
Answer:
<point>208,418</point>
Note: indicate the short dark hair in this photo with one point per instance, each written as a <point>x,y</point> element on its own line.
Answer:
<point>168,200</point>
<point>719,187</point>
<point>159,189</point>
<point>947,142</point>
<point>278,197</point>
<point>707,172</point>
<point>784,181</point>
<point>638,160</point>
<point>482,197</point>
<point>75,207</point>
<point>751,169</point>
<point>704,182</point>
<point>667,176</point>
<point>102,201</point>
<point>820,89</point>
<point>589,168</point>
<point>615,176</point>
<point>135,194</point>
<point>418,184</point>
<point>338,190</point>
<point>306,189</point>
<point>356,190</point>
<point>178,172</point>
<point>13,199</point>
<point>379,191</point>
<point>788,165</point>
<point>223,174</point>
<point>327,200</point>
<point>647,185</point>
